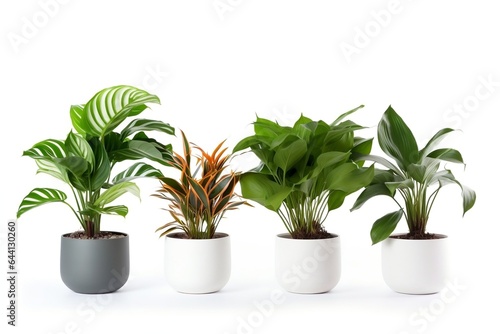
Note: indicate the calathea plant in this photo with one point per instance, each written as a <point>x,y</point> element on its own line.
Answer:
<point>202,195</point>
<point>416,176</point>
<point>305,171</point>
<point>85,159</point>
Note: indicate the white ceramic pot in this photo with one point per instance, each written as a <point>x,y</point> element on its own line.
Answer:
<point>197,265</point>
<point>415,266</point>
<point>307,265</point>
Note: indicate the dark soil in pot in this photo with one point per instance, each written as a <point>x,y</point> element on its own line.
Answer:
<point>418,236</point>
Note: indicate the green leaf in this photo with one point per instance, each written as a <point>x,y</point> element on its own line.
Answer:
<point>111,106</point>
<point>40,196</point>
<point>403,184</point>
<point>139,125</point>
<point>396,139</point>
<point>344,115</point>
<point>50,148</point>
<point>447,154</point>
<point>369,192</point>
<point>264,191</point>
<point>290,153</point>
<point>200,192</point>
<point>137,170</point>
<point>384,226</point>
<point>417,172</point>
<point>336,199</point>
<point>136,149</point>
<point>76,115</point>
<point>78,146</point>
<point>116,191</point>
<point>349,178</point>
<point>120,210</point>
<point>102,170</point>
<point>74,165</point>
<point>436,139</point>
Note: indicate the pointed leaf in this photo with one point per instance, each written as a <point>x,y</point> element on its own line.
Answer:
<point>137,170</point>
<point>120,210</point>
<point>111,106</point>
<point>262,190</point>
<point>384,226</point>
<point>290,154</point>
<point>344,115</point>
<point>447,154</point>
<point>76,115</point>
<point>436,139</point>
<point>116,191</point>
<point>396,139</point>
<point>369,192</point>
<point>78,146</point>
<point>40,196</point>
<point>336,199</point>
<point>139,125</point>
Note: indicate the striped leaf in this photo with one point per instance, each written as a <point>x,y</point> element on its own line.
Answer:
<point>40,196</point>
<point>120,210</point>
<point>78,146</point>
<point>76,115</point>
<point>47,154</point>
<point>116,191</point>
<point>139,169</point>
<point>139,125</point>
<point>111,106</point>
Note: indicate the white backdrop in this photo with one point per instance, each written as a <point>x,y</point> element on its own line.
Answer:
<point>215,64</point>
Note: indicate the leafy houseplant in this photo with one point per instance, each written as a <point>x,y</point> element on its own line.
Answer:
<point>305,172</point>
<point>414,262</point>
<point>85,159</point>
<point>197,202</point>
<point>416,177</point>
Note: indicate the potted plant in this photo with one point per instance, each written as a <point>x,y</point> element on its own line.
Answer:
<point>305,172</point>
<point>93,260</point>
<point>197,257</point>
<point>413,262</point>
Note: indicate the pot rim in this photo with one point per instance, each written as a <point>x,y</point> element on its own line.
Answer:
<point>288,237</point>
<point>125,235</point>
<point>176,236</point>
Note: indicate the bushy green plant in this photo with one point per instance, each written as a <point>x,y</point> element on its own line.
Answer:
<point>416,176</point>
<point>201,196</point>
<point>305,170</point>
<point>85,159</point>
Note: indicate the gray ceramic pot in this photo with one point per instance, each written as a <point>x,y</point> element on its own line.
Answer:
<point>95,265</point>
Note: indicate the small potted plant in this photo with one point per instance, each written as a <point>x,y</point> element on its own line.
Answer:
<point>305,172</point>
<point>413,262</point>
<point>93,260</point>
<point>197,257</point>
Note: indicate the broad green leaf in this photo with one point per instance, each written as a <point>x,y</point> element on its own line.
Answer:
<point>135,150</point>
<point>436,139</point>
<point>447,154</point>
<point>417,172</point>
<point>329,159</point>
<point>137,170</point>
<point>139,125</point>
<point>50,148</point>
<point>78,146</point>
<point>289,154</point>
<point>116,191</point>
<point>349,178</point>
<point>260,189</point>
<point>380,160</point>
<point>76,115</point>
<point>40,196</point>
<point>74,165</point>
<point>369,192</point>
<point>403,184</point>
<point>111,106</point>
<point>396,139</point>
<point>266,128</point>
<point>336,199</point>
<point>384,226</point>
<point>362,146</point>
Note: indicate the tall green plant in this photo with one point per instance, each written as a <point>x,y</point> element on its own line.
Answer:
<point>416,176</point>
<point>86,158</point>
<point>305,171</point>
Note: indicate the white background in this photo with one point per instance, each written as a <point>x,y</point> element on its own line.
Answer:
<point>214,70</point>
